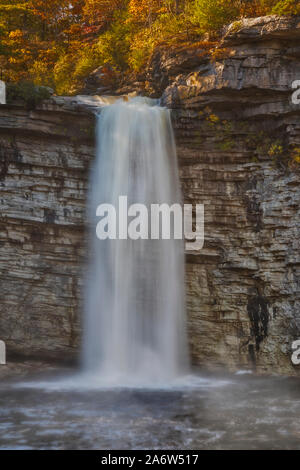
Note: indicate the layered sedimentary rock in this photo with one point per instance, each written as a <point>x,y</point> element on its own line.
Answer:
<point>238,138</point>
<point>44,157</point>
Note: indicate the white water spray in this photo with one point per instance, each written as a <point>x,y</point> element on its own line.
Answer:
<point>134,309</point>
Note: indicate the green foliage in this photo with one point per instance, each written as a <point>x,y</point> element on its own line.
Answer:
<point>63,74</point>
<point>27,92</point>
<point>167,29</point>
<point>295,158</point>
<point>41,73</point>
<point>236,26</point>
<point>296,154</point>
<point>59,42</point>
<point>276,149</point>
<point>114,44</point>
<point>223,130</point>
<point>287,7</point>
<point>212,15</point>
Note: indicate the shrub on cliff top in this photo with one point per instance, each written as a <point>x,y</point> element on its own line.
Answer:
<point>212,15</point>
<point>287,7</point>
<point>27,92</point>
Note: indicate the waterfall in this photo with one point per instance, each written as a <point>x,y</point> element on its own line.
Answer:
<point>134,321</point>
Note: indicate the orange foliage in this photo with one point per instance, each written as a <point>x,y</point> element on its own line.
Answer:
<point>101,12</point>
<point>54,10</point>
<point>256,8</point>
<point>145,11</point>
<point>58,42</point>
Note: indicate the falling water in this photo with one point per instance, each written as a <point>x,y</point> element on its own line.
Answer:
<point>134,312</point>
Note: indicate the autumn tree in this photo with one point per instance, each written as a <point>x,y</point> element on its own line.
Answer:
<point>99,14</point>
<point>16,22</point>
<point>59,42</point>
<point>145,11</point>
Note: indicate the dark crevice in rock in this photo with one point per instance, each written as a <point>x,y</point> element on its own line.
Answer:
<point>257,308</point>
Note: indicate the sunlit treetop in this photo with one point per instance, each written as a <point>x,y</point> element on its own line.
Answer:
<point>59,42</point>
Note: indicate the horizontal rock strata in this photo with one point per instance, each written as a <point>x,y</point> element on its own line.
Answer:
<point>238,138</point>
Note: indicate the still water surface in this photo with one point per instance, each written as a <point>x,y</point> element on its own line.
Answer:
<point>236,412</point>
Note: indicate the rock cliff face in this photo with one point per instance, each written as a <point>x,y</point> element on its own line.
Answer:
<point>44,157</point>
<point>238,139</point>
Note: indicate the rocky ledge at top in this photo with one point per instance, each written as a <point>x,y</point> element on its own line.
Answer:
<point>273,35</point>
<point>255,54</point>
